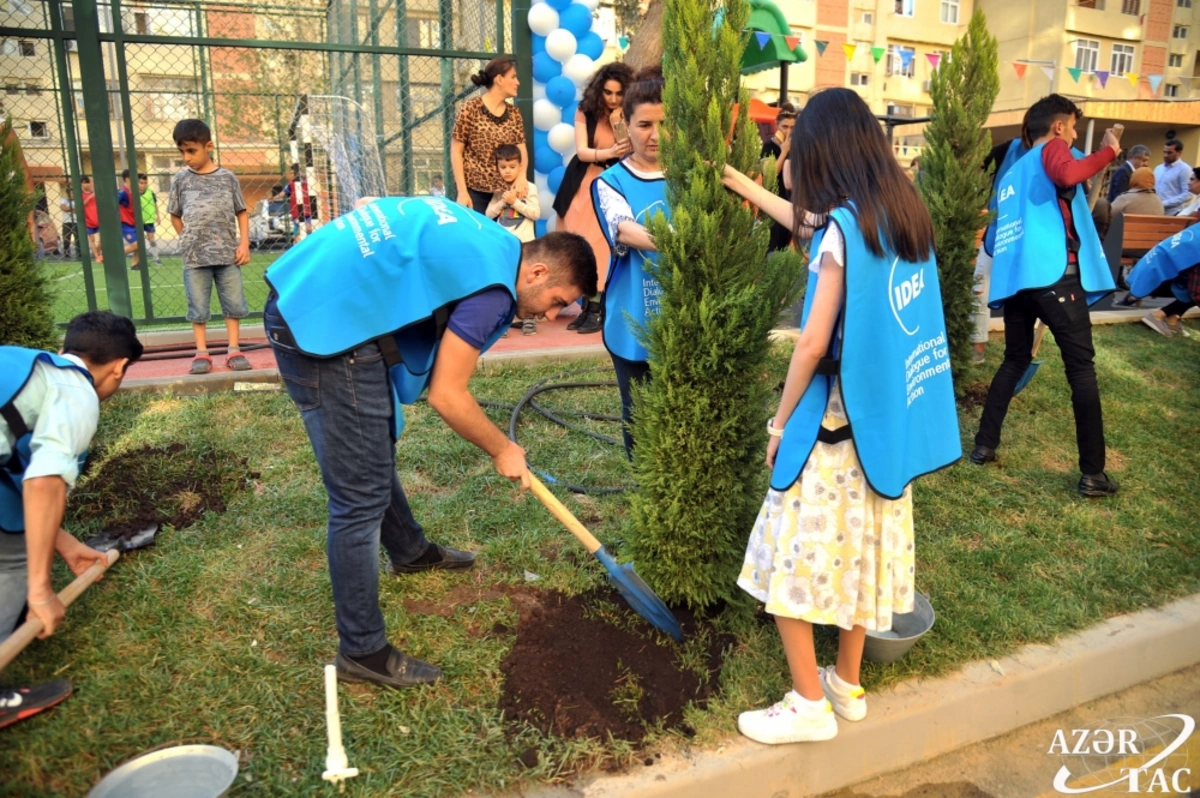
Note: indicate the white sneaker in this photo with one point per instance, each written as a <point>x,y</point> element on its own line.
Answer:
<point>792,720</point>
<point>852,704</point>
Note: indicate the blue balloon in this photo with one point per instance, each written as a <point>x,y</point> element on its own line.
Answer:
<point>555,178</point>
<point>546,160</point>
<point>541,138</point>
<point>539,227</point>
<point>575,18</point>
<point>539,44</point>
<point>569,113</point>
<point>560,90</point>
<point>559,5</point>
<point>546,68</point>
<point>590,44</point>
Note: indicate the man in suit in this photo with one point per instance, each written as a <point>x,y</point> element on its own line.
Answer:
<point>1139,156</point>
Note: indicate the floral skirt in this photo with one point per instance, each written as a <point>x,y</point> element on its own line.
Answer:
<point>828,550</point>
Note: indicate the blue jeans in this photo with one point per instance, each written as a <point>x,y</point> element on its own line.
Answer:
<point>346,405</point>
<point>198,285</point>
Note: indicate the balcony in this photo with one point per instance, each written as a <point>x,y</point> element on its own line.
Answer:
<point>1110,22</point>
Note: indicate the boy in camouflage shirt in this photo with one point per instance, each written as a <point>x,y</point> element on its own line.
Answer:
<point>209,214</point>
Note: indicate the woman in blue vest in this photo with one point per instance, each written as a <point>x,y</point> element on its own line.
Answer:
<point>422,286</point>
<point>624,197</point>
<point>1048,264</point>
<point>867,407</point>
<point>49,408</point>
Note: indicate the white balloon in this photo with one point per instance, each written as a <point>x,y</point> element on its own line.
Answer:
<point>552,219</point>
<point>567,156</point>
<point>543,190</point>
<point>543,19</point>
<point>545,114</point>
<point>539,89</point>
<point>561,44</point>
<point>579,93</point>
<point>561,138</point>
<point>579,68</point>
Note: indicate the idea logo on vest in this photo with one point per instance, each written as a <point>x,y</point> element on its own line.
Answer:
<point>903,288</point>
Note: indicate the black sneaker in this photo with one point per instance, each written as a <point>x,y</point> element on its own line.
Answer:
<point>1097,486</point>
<point>982,455</point>
<point>18,703</point>
<point>434,559</point>
<point>402,671</point>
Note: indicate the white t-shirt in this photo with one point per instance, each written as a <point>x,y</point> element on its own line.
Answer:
<point>833,243</point>
<point>614,208</point>
<point>62,409</point>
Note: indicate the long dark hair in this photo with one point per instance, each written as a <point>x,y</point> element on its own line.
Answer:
<point>646,89</point>
<point>492,70</point>
<point>840,155</point>
<point>592,103</point>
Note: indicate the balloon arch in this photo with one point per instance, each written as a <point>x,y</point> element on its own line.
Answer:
<point>565,49</point>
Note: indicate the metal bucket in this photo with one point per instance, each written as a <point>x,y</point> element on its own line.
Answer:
<point>184,771</point>
<point>907,629</point>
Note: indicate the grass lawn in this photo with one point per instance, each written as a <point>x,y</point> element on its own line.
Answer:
<point>218,633</point>
<point>165,285</point>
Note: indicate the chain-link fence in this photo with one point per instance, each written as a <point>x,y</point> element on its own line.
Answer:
<point>311,103</point>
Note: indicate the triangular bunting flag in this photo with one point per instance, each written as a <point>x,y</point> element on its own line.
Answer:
<point>1020,68</point>
<point>1132,77</point>
<point>1155,82</point>
<point>821,46</point>
<point>1049,73</point>
<point>934,59</point>
<point>792,42</point>
<point>623,41</point>
<point>849,50</point>
<point>763,39</point>
<point>877,53</point>
<point>906,57</point>
<point>1075,72</point>
<point>1102,76</point>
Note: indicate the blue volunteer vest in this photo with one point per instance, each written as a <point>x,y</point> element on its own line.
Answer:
<point>1015,150</point>
<point>392,271</point>
<point>892,358</point>
<point>632,288</point>
<point>16,367</point>
<point>1031,240</point>
<point>1167,261</point>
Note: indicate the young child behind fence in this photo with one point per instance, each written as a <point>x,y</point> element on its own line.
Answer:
<point>515,214</point>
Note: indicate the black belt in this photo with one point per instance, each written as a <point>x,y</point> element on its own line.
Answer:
<point>825,435</point>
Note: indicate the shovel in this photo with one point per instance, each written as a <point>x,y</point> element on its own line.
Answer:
<point>27,631</point>
<point>109,540</point>
<point>632,588</point>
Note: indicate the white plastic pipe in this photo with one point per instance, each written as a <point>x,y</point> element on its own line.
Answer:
<point>336,765</point>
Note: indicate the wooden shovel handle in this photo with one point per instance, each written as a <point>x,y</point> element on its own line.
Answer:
<point>563,514</point>
<point>29,630</point>
<point>1038,335</point>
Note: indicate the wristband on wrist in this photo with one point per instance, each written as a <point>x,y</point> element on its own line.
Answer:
<point>772,430</point>
<point>42,603</point>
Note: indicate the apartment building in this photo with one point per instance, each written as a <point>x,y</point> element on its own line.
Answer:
<point>886,50</point>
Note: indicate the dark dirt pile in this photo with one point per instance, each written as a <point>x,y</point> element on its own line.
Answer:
<point>161,485</point>
<point>585,666</point>
<point>974,396</point>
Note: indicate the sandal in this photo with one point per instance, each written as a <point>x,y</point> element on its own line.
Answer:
<point>238,362</point>
<point>201,365</point>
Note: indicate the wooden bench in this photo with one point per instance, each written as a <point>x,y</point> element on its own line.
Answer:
<point>1132,236</point>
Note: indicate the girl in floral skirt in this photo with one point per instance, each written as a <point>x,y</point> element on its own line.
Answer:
<point>833,543</point>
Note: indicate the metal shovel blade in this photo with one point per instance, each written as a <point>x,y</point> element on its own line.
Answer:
<point>1027,377</point>
<point>639,595</point>
<point>122,542</point>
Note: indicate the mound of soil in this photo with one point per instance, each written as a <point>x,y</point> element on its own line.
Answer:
<point>156,485</point>
<point>974,396</point>
<point>586,666</point>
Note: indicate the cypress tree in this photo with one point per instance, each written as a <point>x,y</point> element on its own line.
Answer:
<point>699,424</point>
<point>25,312</point>
<point>953,183</point>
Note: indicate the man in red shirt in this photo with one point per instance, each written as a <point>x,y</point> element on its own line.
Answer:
<point>91,218</point>
<point>1028,265</point>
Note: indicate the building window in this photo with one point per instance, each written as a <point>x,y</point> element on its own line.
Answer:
<point>169,98</point>
<point>895,61</point>
<point>1175,60</point>
<point>1171,90</point>
<point>1122,59</point>
<point>33,90</point>
<point>425,33</point>
<point>28,48</point>
<point>12,88</point>
<point>1131,7</point>
<point>1179,32</point>
<point>904,8</point>
<point>860,79</point>
<point>141,23</point>
<point>950,12</point>
<point>1087,54</point>
<point>906,111</point>
<point>868,18</point>
<point>1096,4</point>
<point>1184,3</point>
<point>39,130</point>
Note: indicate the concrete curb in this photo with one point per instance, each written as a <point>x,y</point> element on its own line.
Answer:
<point>920,719</point>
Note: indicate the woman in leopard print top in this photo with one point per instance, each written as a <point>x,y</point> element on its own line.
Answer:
<point>483,124</point>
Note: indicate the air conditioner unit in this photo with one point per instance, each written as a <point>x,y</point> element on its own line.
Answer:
<point>926,85</point>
